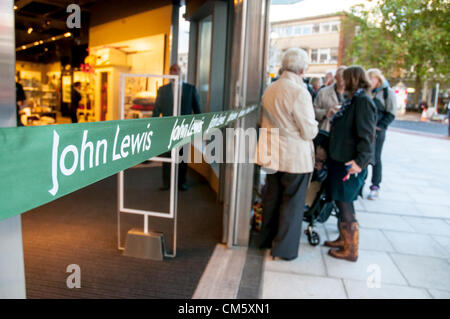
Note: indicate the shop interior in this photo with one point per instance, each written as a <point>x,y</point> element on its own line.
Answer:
<point>52,58</point>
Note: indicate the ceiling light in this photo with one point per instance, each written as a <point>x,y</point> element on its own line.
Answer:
<point>67,34</point>
<point>40,42</point>
<point>24,47</point>
<point>15,7</point>
<point>36,43</point>
<point>53,38</point>
<point>29,30</point>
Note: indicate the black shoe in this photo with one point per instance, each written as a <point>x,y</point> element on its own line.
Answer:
<point>183,187</point>
<point>164,188</point>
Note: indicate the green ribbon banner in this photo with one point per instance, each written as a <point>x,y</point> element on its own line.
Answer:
<point>41,164</point>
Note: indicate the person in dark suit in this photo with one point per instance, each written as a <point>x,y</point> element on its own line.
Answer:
<point>20,101</point>
<point>351,150</point>
<point>190,103</point>
<point>75,101</point>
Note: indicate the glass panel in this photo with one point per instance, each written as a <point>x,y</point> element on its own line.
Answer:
<point>314,56</point>
<point>334,55</point>
<point>316,28</point>
<point>307,29</point>
<point>325,27</point>
<point>204,62</point>
<point>335,27</point>
<point>324,55</point>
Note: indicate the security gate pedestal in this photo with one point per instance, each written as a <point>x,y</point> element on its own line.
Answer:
<point>148,244</point>
<point>144,245</point>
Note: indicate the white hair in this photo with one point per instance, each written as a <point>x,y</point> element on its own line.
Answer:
<point>295,60</point>
<point>378,74</point>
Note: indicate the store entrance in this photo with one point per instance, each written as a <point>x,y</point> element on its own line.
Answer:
<point>81,228</point>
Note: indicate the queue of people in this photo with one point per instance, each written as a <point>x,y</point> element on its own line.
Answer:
<point>356,109</point>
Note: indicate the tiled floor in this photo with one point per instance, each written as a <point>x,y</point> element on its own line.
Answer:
<point>404,236</point>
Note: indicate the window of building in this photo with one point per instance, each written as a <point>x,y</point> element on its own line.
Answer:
<point>335,26</point>
<point>334,56</point>
<point>316,28</point>
<point>324,27</point>
<point>307,29</point>
<point>324,56</point>
<point>314,56</point>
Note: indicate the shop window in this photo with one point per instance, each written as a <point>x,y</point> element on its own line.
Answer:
<point>297,30</point>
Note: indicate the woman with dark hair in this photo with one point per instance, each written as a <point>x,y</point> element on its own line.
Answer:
<point>351,149</point>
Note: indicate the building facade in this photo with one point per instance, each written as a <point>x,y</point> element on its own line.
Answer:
<point>325,39</point>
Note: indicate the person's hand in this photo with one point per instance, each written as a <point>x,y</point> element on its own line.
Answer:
<point>331,113</point>
<point>354,169</point>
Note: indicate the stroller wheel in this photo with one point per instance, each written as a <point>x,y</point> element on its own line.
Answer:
<point>313,238</point>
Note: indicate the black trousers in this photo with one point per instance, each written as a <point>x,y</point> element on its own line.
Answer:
<point>377,168</point>
<point>182,171</point>
<point>73,116</point>
<point>283,208</point>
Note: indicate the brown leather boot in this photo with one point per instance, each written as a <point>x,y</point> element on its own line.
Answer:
<point>350,232</point>
<point>339,242</point>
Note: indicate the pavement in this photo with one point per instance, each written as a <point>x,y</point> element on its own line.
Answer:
<point>404,235</point>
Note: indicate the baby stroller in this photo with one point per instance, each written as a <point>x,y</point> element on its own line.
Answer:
<point>318,208</point>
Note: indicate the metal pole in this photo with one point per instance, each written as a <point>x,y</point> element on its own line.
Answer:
<point>12,269</point>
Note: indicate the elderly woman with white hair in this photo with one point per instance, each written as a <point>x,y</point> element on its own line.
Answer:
<point>288,116</point>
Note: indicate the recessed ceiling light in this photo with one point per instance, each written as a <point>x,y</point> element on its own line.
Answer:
<point>29,30</point>
<point>67,34</point>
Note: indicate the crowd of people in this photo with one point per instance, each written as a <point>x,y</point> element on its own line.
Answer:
<point>354,107</point>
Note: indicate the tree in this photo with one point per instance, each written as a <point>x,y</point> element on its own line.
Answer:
<point>403,38</point>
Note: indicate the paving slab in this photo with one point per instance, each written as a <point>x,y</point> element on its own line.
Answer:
<point>309,262</point>
<point>278,285</point>
<point>362,269</point>
<point>434,211</point>
<point>383,221</point>
<point>416,244</point>
<point>431,226</point>
<point>439,294</point>
<point>360,290</point>
<point>426,272</point>
<point>393,207</point>
<point>444,241</point>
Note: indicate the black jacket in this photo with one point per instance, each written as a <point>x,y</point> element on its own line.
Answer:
<point>74,100</point>
<point>353,134</point>
<point>164,100</point>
